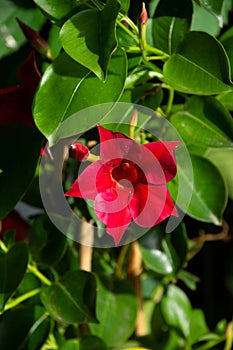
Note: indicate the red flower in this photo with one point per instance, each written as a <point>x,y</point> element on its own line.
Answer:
<point>13,221</point>
<point>128,182</point>
<point>16,101</point>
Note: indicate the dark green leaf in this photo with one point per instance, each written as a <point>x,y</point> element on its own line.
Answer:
<point>192,69</point>
<point>46,243</point>
<point>13,265</point>
<point>175,247</point>
<point>22,321</point>
<point>116,311</point>
<point>210,120</point>
<point>89,37</point>
<point>171,22</point>
<point>227,41</point>
<point>208,189</point>
<point>21,146</point>
<point>11,37</point>
<point>91,342</point>
<point>176,309</point>
<point>67,87</point>
<point>73,299</point>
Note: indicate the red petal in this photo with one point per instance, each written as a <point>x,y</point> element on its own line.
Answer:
<point>94,179</point>
<point>164,153</point>
<point>29,74</point>
<point>151,204</point>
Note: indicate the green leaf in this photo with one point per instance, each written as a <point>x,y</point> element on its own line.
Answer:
<point>57,9</point>
<point>12,38</point>
<point>21,145</point>
<point>210,120</point>
<point>91,342</point>
<point>227,40</point>
<point>175,247</point>
<point>192,69</point>
<point>13,266</point>
<point>198,326</point>
<point>46,243</point>
<point>176,309</point>
<point>227,100</point>
<point>208,189</point>
<point>223,160</point>
<point>72,300</point>
<point>67,87</point>
<point>30,325</point>
<point>89,37</point>
<point>189,279</point>
<point>116,311</point>
<point>156,261</point>
<point>71,344</point>
<point>204,21</point>
<point>171,22</point>
<point>215,7</point>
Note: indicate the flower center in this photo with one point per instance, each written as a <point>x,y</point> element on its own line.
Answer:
<point>125,171</point>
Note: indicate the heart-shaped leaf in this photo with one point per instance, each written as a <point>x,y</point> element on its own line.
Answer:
<point>73,299</point>
<point>89,37</point>
<point>13,265</point>
<point>192,69</point>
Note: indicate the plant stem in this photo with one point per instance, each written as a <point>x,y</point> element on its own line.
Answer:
<point>3,247</point>
<point>33,269</point>
<point>229,337</point>
<point>132,35</point>
<point>22,298</point>
<point>134,271</point>
<point>120,261</point>
<point>170,99</point>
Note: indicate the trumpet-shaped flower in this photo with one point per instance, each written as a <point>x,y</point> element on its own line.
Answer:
<point>128,182</point>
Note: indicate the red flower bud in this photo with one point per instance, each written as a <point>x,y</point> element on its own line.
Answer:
<point>78,151</point>
<point>35,40</point>
<point>143,17</point>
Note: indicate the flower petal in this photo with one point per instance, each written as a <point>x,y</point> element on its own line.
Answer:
<point>93,179</point>
<point>111,208</point>
<point>164,153</point>
<point>151,205</point>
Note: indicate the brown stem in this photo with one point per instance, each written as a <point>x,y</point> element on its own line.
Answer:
<point>85,260</point>
<point>134,271</point>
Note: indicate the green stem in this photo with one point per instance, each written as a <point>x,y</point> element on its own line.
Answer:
<point>33,269</point>
<point>121,260</point>
<point>156,51</point>
<point>134,37</point>
<point>3,247</point>
<point>22,298</point>
<point>170,98</point>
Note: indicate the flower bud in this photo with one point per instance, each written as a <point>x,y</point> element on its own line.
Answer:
<point>35,40</point>
<point>143,17</point>
<point>78,151</point>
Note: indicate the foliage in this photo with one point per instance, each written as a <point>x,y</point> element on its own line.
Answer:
<point>175,58</point>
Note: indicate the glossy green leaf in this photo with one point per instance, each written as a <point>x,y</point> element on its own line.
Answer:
<point>21,146</point>
<point>204,21</point>
<point>13,265</point>
<point>116,312</point>
<point>223,160</point>
<point>89,37</point>
<point>12,38</point>
<point>210,120</point>
<point>171,22</point>
<point>176,309</point>
<point>192,69</point>
<point>213,6</point>
<point>57,9</point>
<point>46,243</point>
<point>156,260</point>
<point>208,189</point>
<point>198,326</point>
<point>91,342</point>
<point>73,299</point>
<point>67,87</point>
<point>175,247</point>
